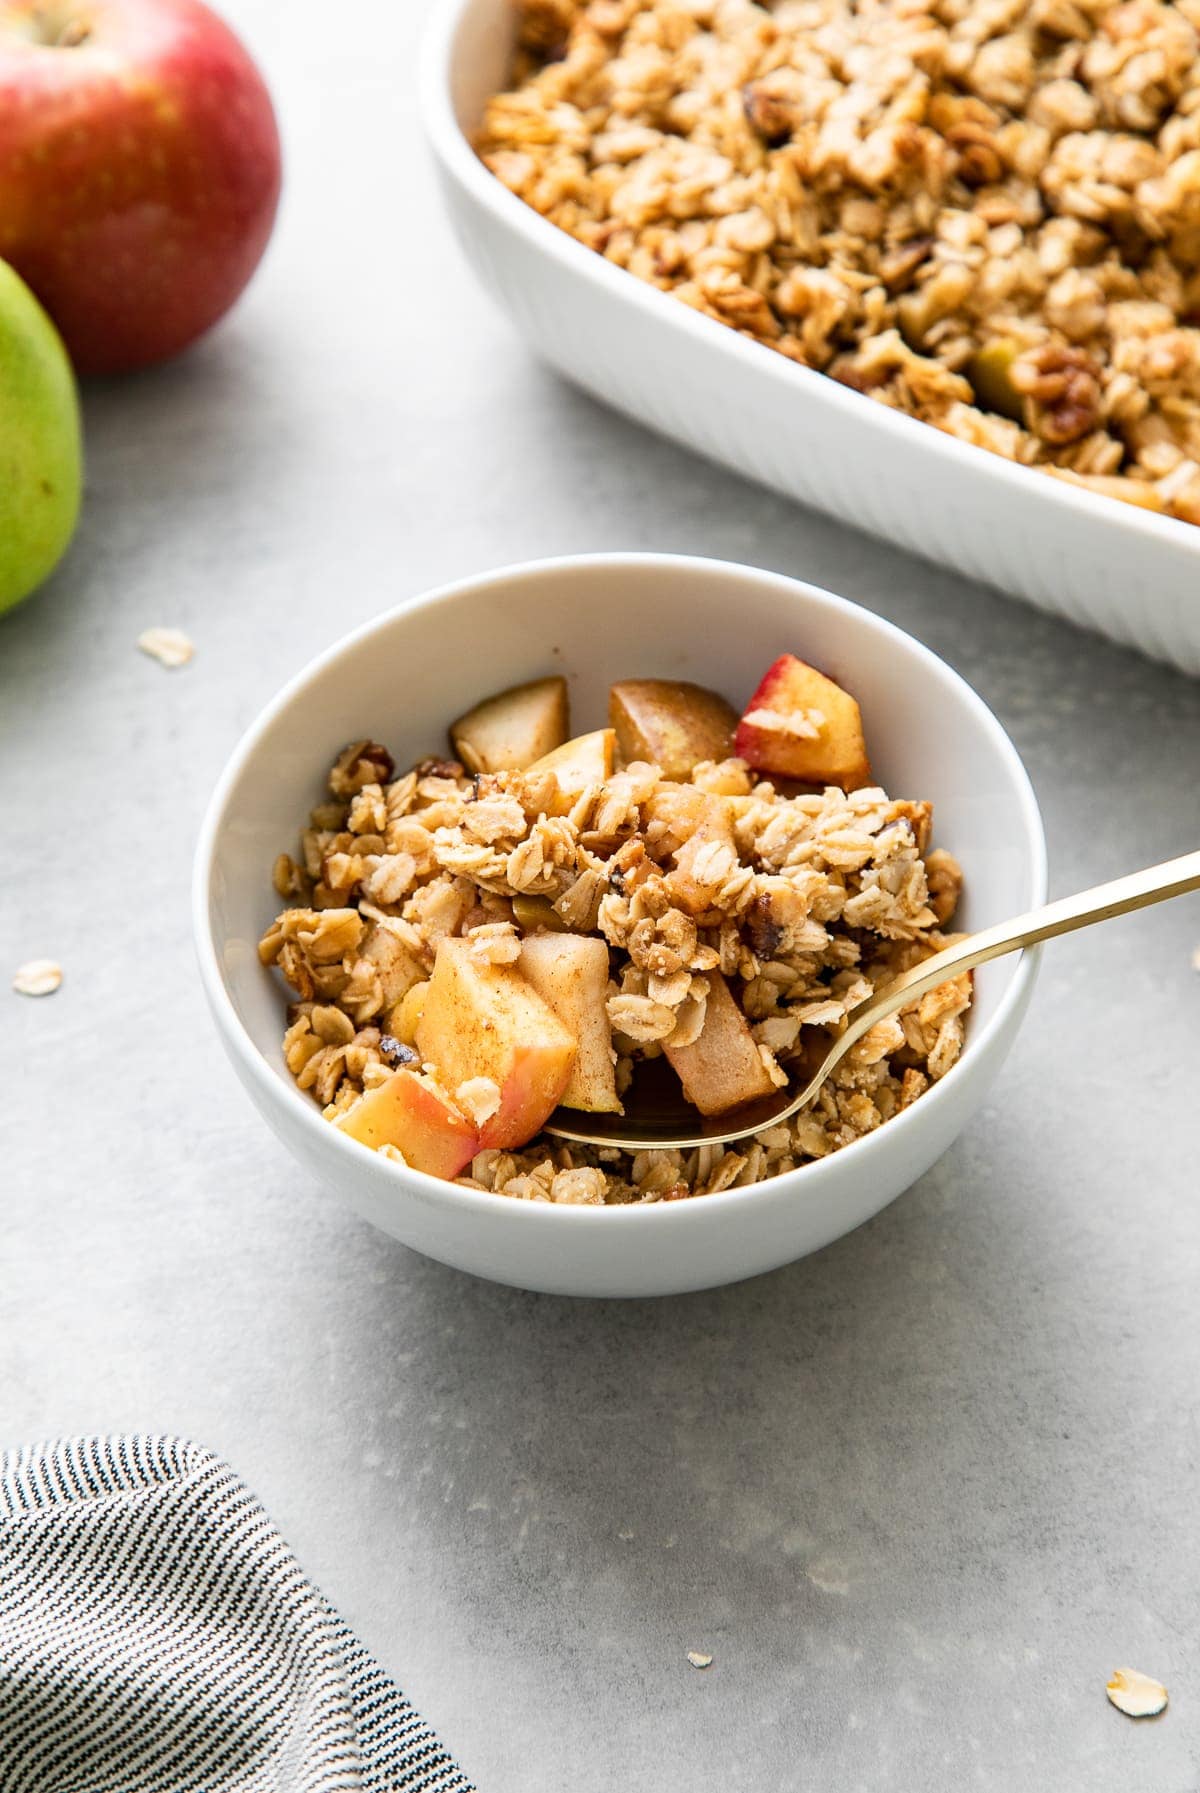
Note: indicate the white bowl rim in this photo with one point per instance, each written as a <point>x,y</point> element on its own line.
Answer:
<point>254,1064</point>
<point>454,151</point>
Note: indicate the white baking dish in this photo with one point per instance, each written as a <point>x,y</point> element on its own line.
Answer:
<point>1126,572</point>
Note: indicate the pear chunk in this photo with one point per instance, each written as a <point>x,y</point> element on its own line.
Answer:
<point>799,724</point>
<point>671,723</point>
<point>723,1067</point>
<point>570,974</point>
<point>511,730</point>
<point>989,370</point>
<point>481,1020</point>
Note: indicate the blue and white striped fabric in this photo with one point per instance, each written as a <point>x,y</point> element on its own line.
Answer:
<point>157,1636</point>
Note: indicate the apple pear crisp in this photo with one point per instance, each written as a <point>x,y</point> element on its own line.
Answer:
<point>480,939</point>
<point>984,213</point>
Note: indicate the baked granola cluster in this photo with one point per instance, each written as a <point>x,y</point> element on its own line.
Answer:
<point>985,213</point>
<point>813,902</point>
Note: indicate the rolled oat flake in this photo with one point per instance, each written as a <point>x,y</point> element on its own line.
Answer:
<point>1136,1694</point>
<point>170,647</point>
<point>39,977</point>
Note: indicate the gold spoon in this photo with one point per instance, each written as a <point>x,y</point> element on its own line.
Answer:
<point>657,1115</point>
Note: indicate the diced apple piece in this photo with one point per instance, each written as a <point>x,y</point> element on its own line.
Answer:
<point>990,372</point>
<point>723,1067</point>
<point>570,974</point>
<point>706,855</point>
<point>411,1113</point>
<point>679,809</point>
<point>799,724</point>
<point>483,1020</point>
<point>508,732</point>
<point>404,1018</point>
<point>397,969</point>
<point>671,723</point>
<point>587,760</point>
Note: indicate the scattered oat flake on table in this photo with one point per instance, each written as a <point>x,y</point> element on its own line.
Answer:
<point>1196,958</point>
<point>698,1659</point>
<point>170,647</point>
<point>1136,1694</point>
<point>40,977</point>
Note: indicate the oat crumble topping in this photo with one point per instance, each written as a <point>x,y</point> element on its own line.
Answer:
<point>718,890</point>
<point>984,213</point>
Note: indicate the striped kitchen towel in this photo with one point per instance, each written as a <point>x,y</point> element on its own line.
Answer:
<point>157,1636</point>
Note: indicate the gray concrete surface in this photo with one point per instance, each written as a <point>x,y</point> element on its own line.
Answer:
<point>917,1495</point>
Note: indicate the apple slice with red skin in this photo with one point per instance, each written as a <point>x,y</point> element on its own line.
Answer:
<point>139,171</point>
<point>723,1067</point>
<point>799,724</point>
<point>411,1113</point>
<point>482,1020</point>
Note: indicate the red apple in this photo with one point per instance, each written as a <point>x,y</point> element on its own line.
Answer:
<point>139,170</point>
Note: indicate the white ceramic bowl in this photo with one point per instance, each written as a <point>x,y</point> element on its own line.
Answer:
<point>599,618</point>
<point>1110,566</point>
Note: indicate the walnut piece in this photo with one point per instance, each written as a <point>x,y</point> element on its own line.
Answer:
<point>1062,387</point>
<point>362,763</point>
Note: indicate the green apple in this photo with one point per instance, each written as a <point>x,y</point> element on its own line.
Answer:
<point>41,457</point>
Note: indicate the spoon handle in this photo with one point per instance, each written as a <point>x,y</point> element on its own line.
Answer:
<point>1136,891</point>
<point>1061,917</point>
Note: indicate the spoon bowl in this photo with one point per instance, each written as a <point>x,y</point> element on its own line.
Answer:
<point>658,1116</point>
